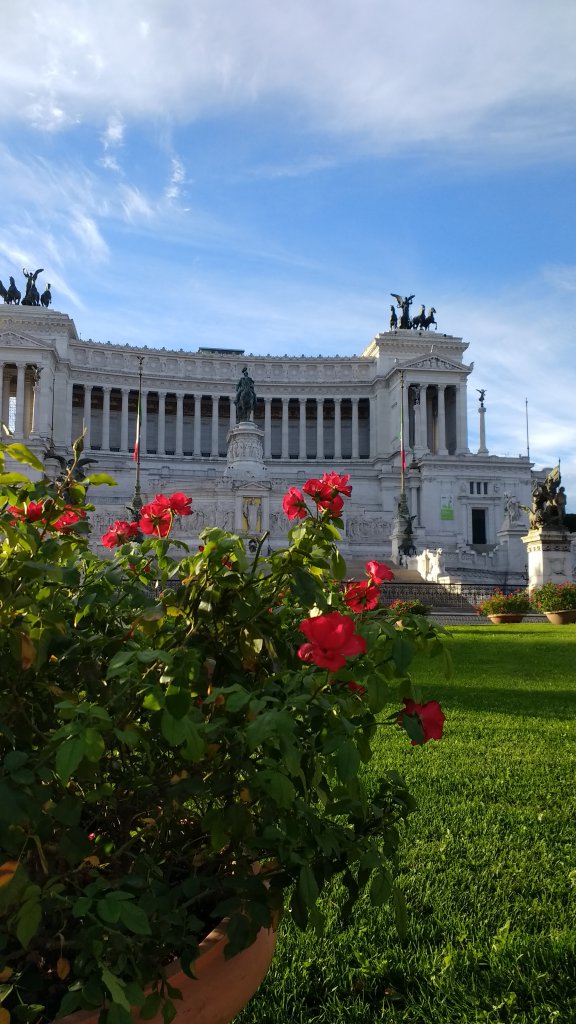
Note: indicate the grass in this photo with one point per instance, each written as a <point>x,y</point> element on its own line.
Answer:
<point>489,858</point>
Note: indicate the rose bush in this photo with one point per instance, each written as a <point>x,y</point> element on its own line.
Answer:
<point>171,716</point>
<point>553,597</point>
<point>517,602</point>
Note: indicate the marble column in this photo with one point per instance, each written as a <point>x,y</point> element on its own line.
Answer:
<point>302,430</point>
<point>232,422</point>
<point>285,453</point>
<point>461,420</point>
<point>124,420</point>
<point>161,443</point>
<point>179,441</point>
<point>337,428</point>
<point>197,426</point>
<point>355,446</point>
<point>319,428</point>
<point>87,414</point>
<point>482,412</point>
<point>20,385</point>
<point>214,435</point>
<point>3,396</point>
<point>106,419</point>
<point>441,421</point>
<point>267,428</point>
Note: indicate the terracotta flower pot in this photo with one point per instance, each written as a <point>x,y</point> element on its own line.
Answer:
<point>503,617</point>
<point>220,990</point>
<point>562,617</point>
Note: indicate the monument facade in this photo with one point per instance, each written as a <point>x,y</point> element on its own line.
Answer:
<point>211,416</point>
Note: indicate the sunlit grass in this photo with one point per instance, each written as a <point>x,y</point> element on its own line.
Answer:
<point>489,859</point>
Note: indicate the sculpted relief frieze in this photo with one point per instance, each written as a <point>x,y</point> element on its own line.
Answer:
<point>366,528</point>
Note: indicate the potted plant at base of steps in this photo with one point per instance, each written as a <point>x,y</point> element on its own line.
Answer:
<point>171,719</point>
<point>501,608</point>
<point>557,601</point>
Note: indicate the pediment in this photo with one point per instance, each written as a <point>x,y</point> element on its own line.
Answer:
<point>432,362</point>
<point>10,340</point>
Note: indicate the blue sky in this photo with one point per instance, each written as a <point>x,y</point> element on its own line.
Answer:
<point>233,172</point>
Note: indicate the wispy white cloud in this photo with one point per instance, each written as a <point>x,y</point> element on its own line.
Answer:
<point>114,132</point>
<point>173,190</point>
<point>485,74</point>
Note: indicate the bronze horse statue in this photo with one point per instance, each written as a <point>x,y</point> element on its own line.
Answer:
<point>13,294</point>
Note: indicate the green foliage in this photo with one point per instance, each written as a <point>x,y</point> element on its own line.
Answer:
<point>153,748</point>
<point>517,602</point>
<point>554,597</point>
<point>487,863</point>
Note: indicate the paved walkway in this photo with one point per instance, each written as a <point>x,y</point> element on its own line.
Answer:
<point>449,617</point>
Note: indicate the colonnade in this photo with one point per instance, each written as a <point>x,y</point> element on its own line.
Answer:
<point>177,423</point>
<point>437,418</point>
<point>18,397</point>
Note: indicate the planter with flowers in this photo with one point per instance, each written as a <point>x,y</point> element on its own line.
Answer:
<point>401,609</point>
<point>177,755</point>
<point>557,601</point>
<point>501,608</point>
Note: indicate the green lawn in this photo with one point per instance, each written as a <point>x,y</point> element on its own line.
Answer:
<point>489,858</point>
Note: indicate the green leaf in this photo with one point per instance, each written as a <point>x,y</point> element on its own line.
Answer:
<point>68,757</point>
<point>338,565</point>
<point>20,453</point>
<point>400,913</point>
<point>307,886</point>
<point>13,478</point>
<point>94,746</point>
<point>151,1006</point>
<point>115,988</point>
<point>347,760</point>
<point>135,919</point>
<point>101,478</point>
<point>29,918</point>
<point>118,661</point>
<point>275,785</point>
<point>380,888</point>
<point>109,910</point>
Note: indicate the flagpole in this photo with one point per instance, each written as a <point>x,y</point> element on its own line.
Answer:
<point>527,434</point>
<point>137,496</point>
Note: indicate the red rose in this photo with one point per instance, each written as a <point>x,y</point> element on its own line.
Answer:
<point>180,504</point>
<point>119,533</point>
<point>32,512</point>
<point>338,484</point>
<point>332,639</point>
<point>378,572</point>
<point>294,504</point>
<point>325,495</point>
<point>68,518</point>
<point>156,517</point>
<point>360,596</point>
<point>430,715</point>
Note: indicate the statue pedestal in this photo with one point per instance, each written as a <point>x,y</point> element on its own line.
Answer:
<point>246,453</point>
<point>549,556</point>
<point>511,546</point>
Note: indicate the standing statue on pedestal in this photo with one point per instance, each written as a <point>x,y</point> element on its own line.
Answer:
<point>245,400</point>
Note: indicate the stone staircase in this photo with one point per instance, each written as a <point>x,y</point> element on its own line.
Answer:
<point>356,571</point>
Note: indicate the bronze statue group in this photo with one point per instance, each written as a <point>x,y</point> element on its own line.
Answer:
<point>421,322</point>
<point>32,297</point>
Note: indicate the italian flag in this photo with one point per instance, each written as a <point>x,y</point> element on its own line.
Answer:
<point>137,441</point>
